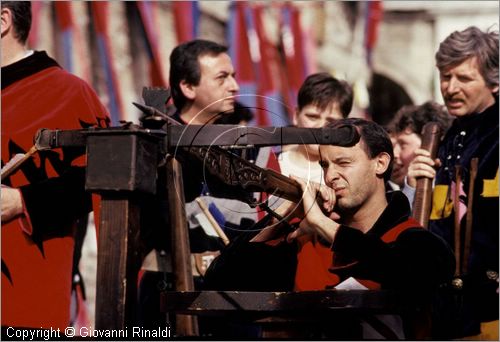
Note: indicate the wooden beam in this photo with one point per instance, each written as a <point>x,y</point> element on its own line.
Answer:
<point>118,262</point>
<point>181,252</point>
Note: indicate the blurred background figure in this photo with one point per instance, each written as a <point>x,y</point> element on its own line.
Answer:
<point>321,99</point>
<point>406,134</point>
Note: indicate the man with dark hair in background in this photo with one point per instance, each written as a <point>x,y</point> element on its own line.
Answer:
<point>468,67</point>
<point>43,200</point>
<point>202,81</point>
<point>203,88</point>
<point>322,99</point>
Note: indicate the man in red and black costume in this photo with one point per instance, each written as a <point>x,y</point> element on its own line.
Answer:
<point>375,242</point>
<point>43,200</point>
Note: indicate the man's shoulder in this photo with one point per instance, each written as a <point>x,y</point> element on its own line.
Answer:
<point>52,78</point>
<point>61,75</point>
<point>70,88</point>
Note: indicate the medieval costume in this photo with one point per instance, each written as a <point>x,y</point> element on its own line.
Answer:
<point>476,300</point>
<point>37,248</point>
<point>396,253</point>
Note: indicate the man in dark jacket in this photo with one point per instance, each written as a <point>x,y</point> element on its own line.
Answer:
<point>203,87</point>
<point>468,68</point>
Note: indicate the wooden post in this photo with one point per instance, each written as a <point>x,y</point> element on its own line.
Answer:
<point>120,166</point>
<point>118,263</point>
<point>181,253</point>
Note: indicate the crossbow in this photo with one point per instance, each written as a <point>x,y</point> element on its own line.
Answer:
<point>196,145</point>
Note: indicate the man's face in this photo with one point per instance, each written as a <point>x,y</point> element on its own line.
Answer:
<point>217,88</point>
<point>404,143</point>
<point>311,116</point>
<point>464,89</point>
<point>352,175</point>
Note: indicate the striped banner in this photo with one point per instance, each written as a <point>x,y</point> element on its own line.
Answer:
<point>239,51</point>
<point>65,22</point>
<point>186,17</point>
<point>293,42</point>
<point>148,10</point>
<point>100,16</point>
<point>271,110</point>
<point>73,58</point>
<point>256,63</point>
<point>373,16</point>
<point>33,38</point>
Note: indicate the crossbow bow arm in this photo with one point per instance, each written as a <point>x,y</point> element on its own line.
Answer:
<point>229,168</point>
<point>239,173</point>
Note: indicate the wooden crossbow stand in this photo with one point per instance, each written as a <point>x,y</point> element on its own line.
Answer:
<point>122,163</point>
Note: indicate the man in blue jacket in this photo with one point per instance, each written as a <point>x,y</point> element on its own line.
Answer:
<point>468,162</point>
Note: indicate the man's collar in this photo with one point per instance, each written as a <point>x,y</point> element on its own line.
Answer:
<point>484,122</point>
<point>26,67</point>
<point>397,210</point>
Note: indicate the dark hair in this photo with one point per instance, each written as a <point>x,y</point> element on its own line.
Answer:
<point>184,65</point>
<point>322,89</point>
<point>374,138</point>
<point>471,42</point>
<point>415,117</point>
<point>21,18</point>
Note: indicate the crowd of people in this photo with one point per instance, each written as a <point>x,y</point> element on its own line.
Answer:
<point>354,221</point>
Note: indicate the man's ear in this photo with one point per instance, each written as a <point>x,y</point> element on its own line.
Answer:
<point>383,161</point>
<point>6,20</point>
<point>188,90</point>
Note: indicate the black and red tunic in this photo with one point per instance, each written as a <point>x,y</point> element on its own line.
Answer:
<point>37,250</point>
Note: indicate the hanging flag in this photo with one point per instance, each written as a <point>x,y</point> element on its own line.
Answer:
<point>100,16</point>
<point>73,58</point>
<point>373,16</point>
<point>33,37</point>
<point>271,109</point>
<point>239,51</point>
<point>186,16</point>
<point>293,42</point>
<point>65,22</point>
<point>147,10</point>
<point>309,48</point>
